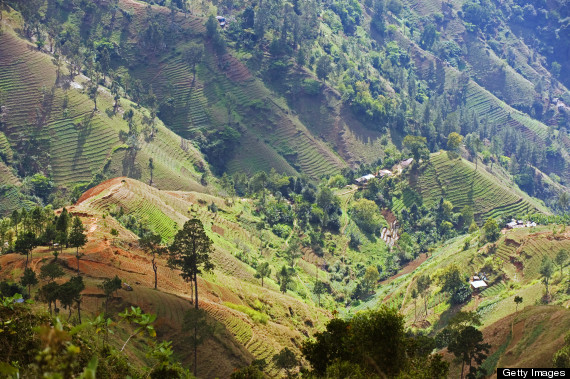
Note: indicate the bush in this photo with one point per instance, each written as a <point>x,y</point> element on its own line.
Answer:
<point>461,295</point>
<point>281,230</point>
<point>255,315</point>
<point>354,241</point>
<point>311,87</point>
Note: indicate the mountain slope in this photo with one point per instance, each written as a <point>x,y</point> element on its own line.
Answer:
<point>236,242</point>
<point>51,125</point>
<point>251,322</point>
<point>458,181</point>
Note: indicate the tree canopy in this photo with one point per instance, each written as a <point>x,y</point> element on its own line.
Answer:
<point>190,252</point>
<point>375,342</point>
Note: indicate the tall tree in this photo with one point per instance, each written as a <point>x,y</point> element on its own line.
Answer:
<point>468,346</point>
<point>371,277</point>
<point>49,294</point>
<point>518,300</point>
<point>454,141</point>
<point>109,286</point>
<point>93,92</point>
<point>194,57</point>
<point>116,96</point>
<point>62,228</point>
<point>190,252</point>
<point>15,219</point>
<point>29,279</point>
<point>561,259</point>
<point>25,244</point>
<point>293,251</point>
<point>263,271</point>
<point>70,292</point>
<point>79,286</point>
<point>151,243</point>
<point>77,238</point>
<point>429,36</point>
<point>418,146</point>
<point>324,67</point>
<point>422,284</point>
<point>151,168</point>
<point>285,277</point>
<point>491,230</point>
<point>51,271</point>
<point>546,270</point>
<point>318,290</point>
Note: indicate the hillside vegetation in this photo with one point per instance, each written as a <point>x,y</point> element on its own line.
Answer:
<point>461,183</point>
<point>299,93</point>
<point>70,143</point>
<point>375,188</point>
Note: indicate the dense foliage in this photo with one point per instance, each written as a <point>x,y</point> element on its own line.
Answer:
<point>375,344</point>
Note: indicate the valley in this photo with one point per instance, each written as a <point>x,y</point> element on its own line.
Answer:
<point>310,189</point>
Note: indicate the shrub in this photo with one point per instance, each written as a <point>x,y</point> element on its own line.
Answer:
<point>311,86</point>
<point>461,295</point>
<point>281,230</point>
<point>253,314</point>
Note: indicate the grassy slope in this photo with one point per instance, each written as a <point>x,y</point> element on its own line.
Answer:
<point>528,338</point>
<point>520,252</point>
<point>232,229</point>
<point>458,181</point>
<point>79,142</point>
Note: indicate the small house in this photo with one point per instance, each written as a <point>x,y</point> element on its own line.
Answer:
<point>406,163</point>
<point>364,179</point>
<point>478,285</point>
<point>512,224</point>
<point>383,173</point>
<point>515,224</point>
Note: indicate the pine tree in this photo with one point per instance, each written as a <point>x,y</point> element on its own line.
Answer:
<point>29,279</point>
<point>77,238</point>
<point>190,252</point>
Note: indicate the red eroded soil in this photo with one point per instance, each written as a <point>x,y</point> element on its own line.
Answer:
<point>99,188</point>
<point>410,267</point>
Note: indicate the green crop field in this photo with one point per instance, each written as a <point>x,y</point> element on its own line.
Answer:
<point>76,142</point>
<point>458,181</point>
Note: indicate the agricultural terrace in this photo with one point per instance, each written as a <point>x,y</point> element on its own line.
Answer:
<point>458,181</point>
<point>222,92</point>
<point>253,322</point>
<point>74,141</point>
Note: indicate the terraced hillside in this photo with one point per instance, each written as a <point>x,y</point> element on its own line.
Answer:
<point>73,142</point>
<point>232,228</point>
<point>224,91</point>
<point>458,181</point>
<point>510,271</point>
<point>525,249</point>
<point>493,92</point>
